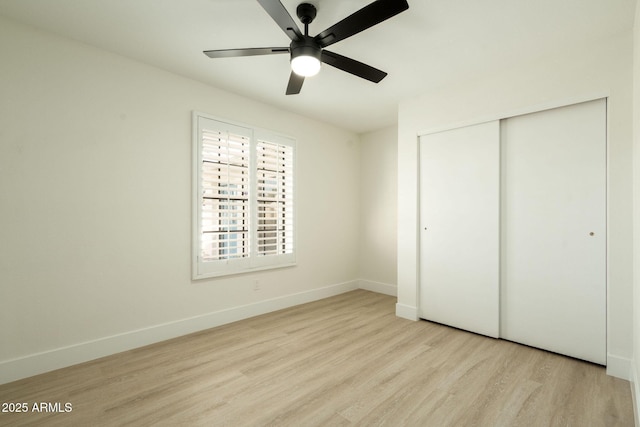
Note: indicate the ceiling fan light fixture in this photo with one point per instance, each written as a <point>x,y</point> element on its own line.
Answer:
<point>305,57</point>
<point>305,65</point>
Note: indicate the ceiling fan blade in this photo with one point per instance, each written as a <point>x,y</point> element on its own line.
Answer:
<point>279,14</point>
<point>352,66</point>
<point>295,84</point>
<point>370,15</point>
<point>229,53</point>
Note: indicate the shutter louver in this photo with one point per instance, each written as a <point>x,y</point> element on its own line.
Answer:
<point>225,195</point>
<point>274,198</point>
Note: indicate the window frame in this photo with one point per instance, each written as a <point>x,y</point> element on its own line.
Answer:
<point>201,268</point>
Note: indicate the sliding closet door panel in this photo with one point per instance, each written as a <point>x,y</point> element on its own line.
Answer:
<point>553,251</point>
<point>459,237</point>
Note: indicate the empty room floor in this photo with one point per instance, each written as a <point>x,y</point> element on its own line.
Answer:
<point>345,360</point>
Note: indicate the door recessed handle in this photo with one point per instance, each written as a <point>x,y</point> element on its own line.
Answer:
<point>592,234</point>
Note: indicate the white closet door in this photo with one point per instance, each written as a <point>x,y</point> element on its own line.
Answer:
<point>553,252</point>
<point>459,218</point>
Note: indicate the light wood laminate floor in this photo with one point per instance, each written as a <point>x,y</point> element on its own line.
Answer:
<point>345,360</point>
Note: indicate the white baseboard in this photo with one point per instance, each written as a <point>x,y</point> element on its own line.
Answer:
<point>619,367</point>
<point>381,288</point>
<point>23,367</point>
<point>406,312</point>
<point>635,393</point>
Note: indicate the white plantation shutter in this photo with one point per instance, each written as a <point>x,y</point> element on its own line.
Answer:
<point>243,199</point>
<point>225,195</point>
<point>274,198</point>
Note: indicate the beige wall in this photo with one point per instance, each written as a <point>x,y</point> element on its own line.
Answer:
<point>585,72</point>
<point>378,196</point>
<point>95,205</point>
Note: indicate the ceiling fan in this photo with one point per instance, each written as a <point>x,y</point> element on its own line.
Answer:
<point>308,52</point>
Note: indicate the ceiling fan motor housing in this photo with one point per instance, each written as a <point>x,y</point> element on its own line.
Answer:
<point>306,46</point>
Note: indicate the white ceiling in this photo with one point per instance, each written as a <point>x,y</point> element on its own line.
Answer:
<point>433,44</point>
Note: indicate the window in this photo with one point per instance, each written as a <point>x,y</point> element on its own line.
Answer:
<point>243,199</point>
